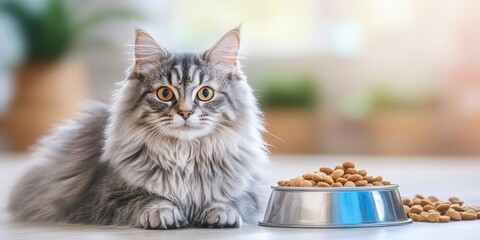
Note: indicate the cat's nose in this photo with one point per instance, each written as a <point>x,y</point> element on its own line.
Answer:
<point>185,114</point>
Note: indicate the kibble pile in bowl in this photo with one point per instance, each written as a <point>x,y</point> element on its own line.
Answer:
<point>344,175</point>
<point>431,209</point>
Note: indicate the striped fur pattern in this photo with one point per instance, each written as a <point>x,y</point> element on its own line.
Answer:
<point>138,162</point>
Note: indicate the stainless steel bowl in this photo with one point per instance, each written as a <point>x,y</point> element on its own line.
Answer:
<point>334,207</point>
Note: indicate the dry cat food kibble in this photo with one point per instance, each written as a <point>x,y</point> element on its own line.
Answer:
<point>431,209</point>
<point>344,175</point>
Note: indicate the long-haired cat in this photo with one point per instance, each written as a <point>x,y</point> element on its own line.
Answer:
<point>180,145</point>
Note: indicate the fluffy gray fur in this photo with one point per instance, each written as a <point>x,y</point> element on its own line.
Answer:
<point>138,162</point>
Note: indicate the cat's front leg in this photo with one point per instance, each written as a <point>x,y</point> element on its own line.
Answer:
<point>218,215</point>
<point>162,214</point>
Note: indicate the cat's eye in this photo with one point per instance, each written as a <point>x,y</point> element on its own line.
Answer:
<point>205,93</point>
<point>165,94</point>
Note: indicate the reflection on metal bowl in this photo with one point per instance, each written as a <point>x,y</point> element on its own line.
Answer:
<point>333,207</point>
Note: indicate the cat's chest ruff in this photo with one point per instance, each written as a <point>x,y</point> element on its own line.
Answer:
<point>173,156</point>
<point>197,171</point>
<point>196,180</point>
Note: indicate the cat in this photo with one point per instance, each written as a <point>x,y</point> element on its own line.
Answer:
<point>180,145</point>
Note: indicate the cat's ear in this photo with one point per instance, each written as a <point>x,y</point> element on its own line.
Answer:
<point>225,52</point>
<point>148,53</point>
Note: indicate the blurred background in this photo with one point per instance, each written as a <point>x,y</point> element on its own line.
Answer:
<point>367,77</point>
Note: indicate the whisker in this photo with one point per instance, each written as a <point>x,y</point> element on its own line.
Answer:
<point>120,153</point>
<point>142,133</point>
<point>275,136</point>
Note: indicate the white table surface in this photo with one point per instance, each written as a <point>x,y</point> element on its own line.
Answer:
<point>443,177</point>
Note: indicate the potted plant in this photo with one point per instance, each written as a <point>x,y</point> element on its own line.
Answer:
<point>394,121</point>
<point>48,85</point>
<point>403,122</point>
<point>290,102</point>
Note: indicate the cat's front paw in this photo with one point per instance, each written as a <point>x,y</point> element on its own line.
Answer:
<point>162,215</point>
<point>218,215</point>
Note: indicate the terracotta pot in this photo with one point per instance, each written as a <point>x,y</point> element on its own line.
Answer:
<point>45,94</point>
<point>405,133</point>
<point>292,131</point>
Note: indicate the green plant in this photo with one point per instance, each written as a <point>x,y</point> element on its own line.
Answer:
<point>289,90</point>
<point>360,104</point>
<point>52,31</point>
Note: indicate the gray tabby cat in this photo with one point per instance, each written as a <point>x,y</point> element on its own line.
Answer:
<point>180,146</point>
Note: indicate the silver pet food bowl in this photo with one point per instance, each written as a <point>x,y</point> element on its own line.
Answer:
<point>335,207</point>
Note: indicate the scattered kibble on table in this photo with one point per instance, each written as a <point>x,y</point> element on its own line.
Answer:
<point>344,175</point>
<point>431,209</point>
